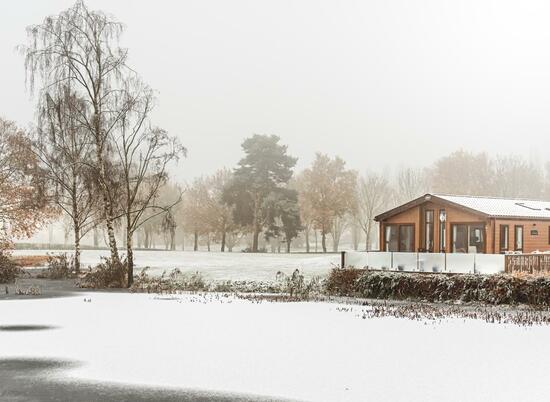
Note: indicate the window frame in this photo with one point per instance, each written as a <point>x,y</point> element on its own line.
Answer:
<point>442,232</point>
<point>501,231</point>
<point>427,248</point>
<point>399,248</point>
<point>516,227</point>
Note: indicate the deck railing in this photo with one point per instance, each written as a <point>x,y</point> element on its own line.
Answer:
<point>527,263</point>
<point>426,262</point>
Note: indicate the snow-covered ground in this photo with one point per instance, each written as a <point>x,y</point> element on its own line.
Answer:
<point>216,265</point>
<point>306,351</point>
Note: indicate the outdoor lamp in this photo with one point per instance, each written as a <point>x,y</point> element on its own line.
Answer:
<point>442,216</point>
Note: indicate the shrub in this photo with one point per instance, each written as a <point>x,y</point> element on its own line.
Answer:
<point>59,266</point>
<point>106,274</point>
<point>342,282</point>
<point>8,269</point>
<point>173,282</point>
<point>490,289</point>
<point>297,287</point>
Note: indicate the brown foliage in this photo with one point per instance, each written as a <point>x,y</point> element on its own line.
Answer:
<point>25,261</point>
<point>23,204</point>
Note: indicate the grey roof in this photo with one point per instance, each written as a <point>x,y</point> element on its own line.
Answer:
<point>501,207</point>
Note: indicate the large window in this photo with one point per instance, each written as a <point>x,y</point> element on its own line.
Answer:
<point>399,238</point>
<point>391,238</point>
<point>468,238</point>
<point>518,238</point>
<point>429,230</point>
<point>504,238</point>
<point>406,238</point>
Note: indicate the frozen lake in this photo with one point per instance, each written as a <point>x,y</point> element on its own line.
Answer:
<point>216,265</point>
<point>301,351</point>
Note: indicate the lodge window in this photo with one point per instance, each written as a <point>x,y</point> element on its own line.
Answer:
<point>399,238</point>
<point>406,238</point>
<point>518,238</point>
<point>468,238</point>
<point>504,236</point>
<point>391,238</point>
<point>442,231</point>
<point>429,230</point>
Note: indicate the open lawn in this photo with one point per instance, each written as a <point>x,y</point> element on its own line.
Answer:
<point>216,265</point>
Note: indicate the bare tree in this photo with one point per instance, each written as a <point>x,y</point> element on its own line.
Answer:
<point>142,154</point>
<point>195,209</point>
<point>411,183</point>
<point>516,177</point>
<point>463,173</point>
<point>64,149</point>
<point>373,193</point>
<point>79,48</point>
<point>220,217</point>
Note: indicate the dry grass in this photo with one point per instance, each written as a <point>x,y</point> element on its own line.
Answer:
<point>31,261</point>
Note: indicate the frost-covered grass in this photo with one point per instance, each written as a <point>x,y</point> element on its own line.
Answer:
<point>307,351</point>
<point>216,265</point>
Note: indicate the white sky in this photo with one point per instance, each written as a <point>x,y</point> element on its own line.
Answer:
<point>380,83</point>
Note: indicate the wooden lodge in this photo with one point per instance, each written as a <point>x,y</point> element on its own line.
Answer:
<point>466,224</point>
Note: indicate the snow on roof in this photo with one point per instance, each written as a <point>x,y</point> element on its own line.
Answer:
<point>501,207</point>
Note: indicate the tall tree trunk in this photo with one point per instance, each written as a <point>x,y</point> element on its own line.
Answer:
<point>255,240</point>
<point>316,240</point>
<point>172,239</point>
<point>130,258</point>
<point>76,225</point>
<point>324,241</point>
<point>208,241</point>
<point>76,247</point>
<point>96,238</point>
<point>368,234</point>
<point>288,246</point>
<point>307,240</point>
<point>223,241</point>
<point>256,233</point>
<point>146,240</point>
<point>196,245</point>
<point>109,215</point>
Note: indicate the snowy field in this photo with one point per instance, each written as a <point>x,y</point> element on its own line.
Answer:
<point>216,265</point>
<point>299,351</point>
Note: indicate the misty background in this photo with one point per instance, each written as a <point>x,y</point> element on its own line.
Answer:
<point>379,83</point>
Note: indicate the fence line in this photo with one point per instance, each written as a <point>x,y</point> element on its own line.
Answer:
<point>527,263</point>
<point>428,262</point>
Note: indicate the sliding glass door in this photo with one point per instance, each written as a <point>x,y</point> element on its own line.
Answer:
<point>468,238</point>
<point>399,237</point>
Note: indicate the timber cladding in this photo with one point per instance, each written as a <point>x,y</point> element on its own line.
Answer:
<point>535,234</point>
<point>500,235</point>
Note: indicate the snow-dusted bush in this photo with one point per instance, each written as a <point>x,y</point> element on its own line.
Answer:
<point>8,269</point>
<point>107,274</point>
<point>490,289</point>
<point>175,281</point>
<point>59,266</point>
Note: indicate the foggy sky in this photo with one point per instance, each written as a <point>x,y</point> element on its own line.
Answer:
<point>380,83</point>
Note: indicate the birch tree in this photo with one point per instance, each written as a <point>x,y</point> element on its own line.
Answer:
<point>142,154</point>
<point>79,48</point>
<point>64,149</point>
